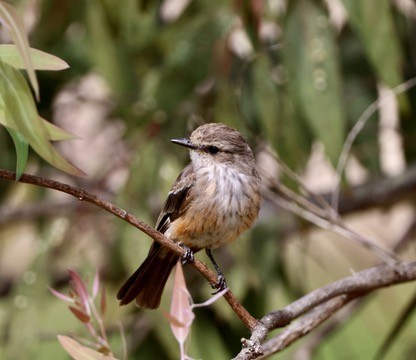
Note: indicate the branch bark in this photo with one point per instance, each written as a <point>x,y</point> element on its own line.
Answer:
<point>312,309</point>
<point>318,306</point>
<point>83,195</point>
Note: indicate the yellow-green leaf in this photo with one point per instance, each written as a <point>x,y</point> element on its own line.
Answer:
<point>22,149</point>
<point>18,102</point>
<point>41,60</point>
<point>13,23</point>
<point>54,132</point>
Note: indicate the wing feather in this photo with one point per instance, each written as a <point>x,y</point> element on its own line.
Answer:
<point>177,200</point>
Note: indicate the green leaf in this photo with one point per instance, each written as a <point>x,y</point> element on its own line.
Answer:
<point>41,60</point>
<point>20,114</point>
<point>22,149</point>
<point>54,132</point>
<point>13,23</point>
<point>312,64</point>
<point>374,25</point>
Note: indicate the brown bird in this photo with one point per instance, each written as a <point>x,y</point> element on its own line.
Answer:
<point>213,200</point>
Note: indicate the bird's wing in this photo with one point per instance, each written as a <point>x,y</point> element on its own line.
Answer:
<point>177,200</point>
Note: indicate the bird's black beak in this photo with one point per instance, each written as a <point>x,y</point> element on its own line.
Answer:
<point>184,142</point>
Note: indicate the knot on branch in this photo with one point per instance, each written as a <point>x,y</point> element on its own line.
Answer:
<point>276,319</point>
<point>401,272</point>
<point>251,349</point>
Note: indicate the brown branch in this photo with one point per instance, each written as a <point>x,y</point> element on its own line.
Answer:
<point>306,350</point>
<point>305,325</point>
<point>319,305</point>
<point>315,307</point>
<point>83,195</point>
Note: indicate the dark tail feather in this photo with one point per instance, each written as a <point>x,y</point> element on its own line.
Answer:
<point>148,281</point>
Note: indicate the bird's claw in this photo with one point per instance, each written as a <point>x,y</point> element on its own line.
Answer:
<point>220,285</point>
<point>188,256</point>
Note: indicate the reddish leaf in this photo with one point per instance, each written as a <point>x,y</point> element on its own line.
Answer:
<point>180,308</point>
<point>174,321</point>
<point>103,302</point>
<point>81,290</point>
<point>80,314</point>
<point>80,352</point>
<point>95,285</point>
<point>61,296</point>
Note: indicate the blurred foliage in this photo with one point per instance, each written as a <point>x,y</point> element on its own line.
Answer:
<point>18,111</point>
<point>289,74</point>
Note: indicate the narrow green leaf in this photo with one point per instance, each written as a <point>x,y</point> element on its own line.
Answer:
<point>13,23</point>
<point>18,102</point>
<point>54,132</point>
<point>22,149</point>
<point>374,25</point>
<point>314,80</point>
<point>41,60</point>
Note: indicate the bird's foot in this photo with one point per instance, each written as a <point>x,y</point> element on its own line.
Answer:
<point>220,285</point>
<point>188,256</point>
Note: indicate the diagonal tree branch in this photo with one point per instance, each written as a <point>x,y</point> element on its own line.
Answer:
<point>305,325</point>
<point>318,305</point>
<point>312,309</point>
<point>306,350</point>
<point>83,195</point>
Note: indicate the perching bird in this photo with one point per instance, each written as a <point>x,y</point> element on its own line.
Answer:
<point>214,199</point>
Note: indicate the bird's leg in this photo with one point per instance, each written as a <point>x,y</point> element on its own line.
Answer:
<point>221,283</point>
<point>189,254</point>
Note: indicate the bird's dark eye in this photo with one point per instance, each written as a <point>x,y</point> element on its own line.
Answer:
<point>212,149</point>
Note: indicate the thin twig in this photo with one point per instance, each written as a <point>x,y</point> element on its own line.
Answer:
<point>319,199</point>
<point>358,127</point>
<point>336,226</point>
